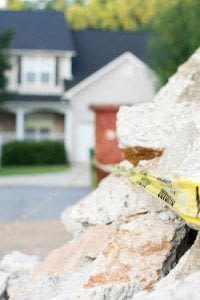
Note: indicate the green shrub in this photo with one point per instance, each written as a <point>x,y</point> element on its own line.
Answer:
<point>22,153</point>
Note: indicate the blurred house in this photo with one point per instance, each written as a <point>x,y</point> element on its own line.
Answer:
<point>58,73</point>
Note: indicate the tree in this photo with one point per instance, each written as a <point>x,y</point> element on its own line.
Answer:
<point>5,39</point>
<point>113,14</point>
<point>177,36</point>
<point>16,4</point>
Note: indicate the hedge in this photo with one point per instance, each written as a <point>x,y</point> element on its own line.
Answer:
<point>24,153</point>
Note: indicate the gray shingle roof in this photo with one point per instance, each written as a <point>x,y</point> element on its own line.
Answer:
<point>39,98</point>
<point>96,48</point>
<point>37,30</point>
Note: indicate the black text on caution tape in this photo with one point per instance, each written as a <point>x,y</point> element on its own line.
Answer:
<point>163,195</point>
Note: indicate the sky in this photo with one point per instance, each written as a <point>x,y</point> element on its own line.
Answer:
<point>2,3</point>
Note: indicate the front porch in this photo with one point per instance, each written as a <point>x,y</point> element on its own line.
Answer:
<point>36,124</point>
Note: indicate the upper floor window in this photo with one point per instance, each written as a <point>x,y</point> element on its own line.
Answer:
<point>45,77</point>
<point>38,70</point>
<point>30,77</point>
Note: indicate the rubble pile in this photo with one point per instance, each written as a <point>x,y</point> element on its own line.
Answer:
<point>14,270</point>
<point>185,288</point>
<point>145,130</point>
<point>126,243</point>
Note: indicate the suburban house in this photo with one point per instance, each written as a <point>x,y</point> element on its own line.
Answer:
<point>58,73</point>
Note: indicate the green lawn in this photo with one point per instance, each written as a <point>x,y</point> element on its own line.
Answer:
<point>30,170</point>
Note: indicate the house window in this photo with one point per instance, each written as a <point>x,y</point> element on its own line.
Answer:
<point>45,77</point>
<point>44,132</point>
<point>38,70</point>
<point>30,77</point>
<point>30,133</point>
<point>40,133</point>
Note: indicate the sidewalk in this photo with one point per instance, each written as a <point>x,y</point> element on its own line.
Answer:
<point>77,176</point>
<point>32,237</point>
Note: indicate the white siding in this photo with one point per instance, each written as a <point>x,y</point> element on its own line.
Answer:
<point>65,68</point>
<point>85,136</point>
<point>126,84</point>
<point>12,74</point>
<point>38,63</point>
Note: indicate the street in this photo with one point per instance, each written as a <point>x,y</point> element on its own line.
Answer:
<point>30,217</point>
<point>37,203</point>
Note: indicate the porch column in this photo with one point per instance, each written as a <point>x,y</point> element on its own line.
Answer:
<point>20,124</point>
<point>68,133</point>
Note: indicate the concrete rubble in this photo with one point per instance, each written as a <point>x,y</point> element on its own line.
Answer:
<point>106,205</point>
<point>15,269</point>
<point>3,283</point>
<point>148,128</point>
<point>184,85</point>
<point>183,289</point>
<point>124,256</point>
<point>18,264</point>
<point>125,242</point>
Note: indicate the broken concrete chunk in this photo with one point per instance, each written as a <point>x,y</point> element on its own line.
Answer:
<point>152,127</point>
<point>138,253</point>
<point>70,258</point>
<point>142,125</point>
<point>181,147</point>
<point>188,264</point>
<point>134,257</point>
<point>3,282</point>
<point>18,264</point>
<point>184,85</point>
<point>115,198</point>
<point>107,204</point>
<point>183,289</point>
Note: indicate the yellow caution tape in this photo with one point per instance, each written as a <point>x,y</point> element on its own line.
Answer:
<point>181,194</point>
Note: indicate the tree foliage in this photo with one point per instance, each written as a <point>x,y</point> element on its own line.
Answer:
<point>111,14</point>
<point>177,36</point>
<point>5,39</point>
<point>17,4</point>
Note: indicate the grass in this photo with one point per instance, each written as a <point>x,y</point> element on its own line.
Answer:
<point>32,170</point>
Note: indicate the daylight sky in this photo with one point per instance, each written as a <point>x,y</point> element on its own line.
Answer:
<point>2,3</point>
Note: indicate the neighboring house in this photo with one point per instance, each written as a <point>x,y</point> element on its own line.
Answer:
<point>58,74</point>
<point>41,57</point>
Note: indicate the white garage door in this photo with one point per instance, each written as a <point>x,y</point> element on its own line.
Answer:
<point>85,140</point>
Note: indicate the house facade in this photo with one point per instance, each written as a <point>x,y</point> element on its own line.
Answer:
<point>41,57</point>
<point>57,74</point>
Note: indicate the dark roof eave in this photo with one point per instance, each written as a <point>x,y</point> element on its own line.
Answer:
<point>35,98</point>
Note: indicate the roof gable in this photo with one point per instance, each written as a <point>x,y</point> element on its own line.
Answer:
<point>96,48</point>
<point>127,56</point>
<point>37,30</point>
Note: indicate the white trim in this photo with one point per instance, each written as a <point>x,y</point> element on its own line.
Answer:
<point>70,53</point>
<point>104,70</point>
<point>20,126</point>
<point>32,106</point>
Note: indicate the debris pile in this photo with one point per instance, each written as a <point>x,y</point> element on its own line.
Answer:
<point>125,242</point>
<point>14,270</point>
